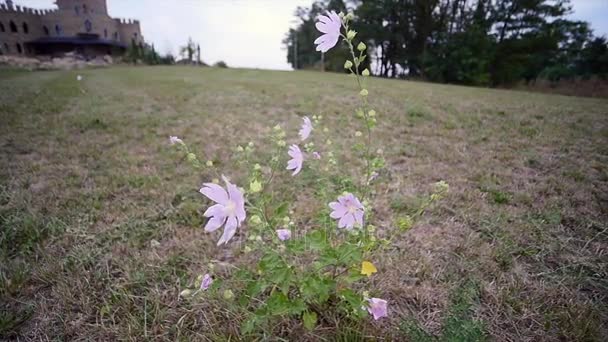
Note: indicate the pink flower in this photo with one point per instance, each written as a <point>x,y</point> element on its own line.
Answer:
<point>284,234</point>
<point>207,280</point>
<point>229,210</point>
<point>297,159</point>
<point>316,155</point>
<point>377,307</point>
<point>330,26</point>
<point>348,210</point>
<point>175,140</point>
<point>306,129</point>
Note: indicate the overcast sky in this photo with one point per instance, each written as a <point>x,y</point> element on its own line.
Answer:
<point>246,33</point>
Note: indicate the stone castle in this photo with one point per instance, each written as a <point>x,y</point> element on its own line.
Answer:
<point>77,26</point>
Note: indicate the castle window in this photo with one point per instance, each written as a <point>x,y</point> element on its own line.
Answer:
<point>115,35</point>
<point>19,49</point>
<point>13,27</point>
<point>7,49</point>
<point>84,9</point>
<point>88,26</point>
<point>58,30</point>
<point>2,27</point>
<point>105,33</point>
<point>46,30</point>
<point>77,10</point>
<point>26,29</point>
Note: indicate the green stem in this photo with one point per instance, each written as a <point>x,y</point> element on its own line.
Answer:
<point>365,107</point>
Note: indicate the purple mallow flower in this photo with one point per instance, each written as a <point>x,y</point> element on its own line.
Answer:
<point>284,234</point>
<point>297,159</point>
<point>316,155</point>
<point>377,307</point>
<point>229,210</point>
<point>348,210</point>
<point>329,25</point>
<point>206,282</point>
<point>306,129</point>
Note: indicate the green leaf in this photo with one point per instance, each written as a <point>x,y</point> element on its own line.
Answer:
<point>349,254</point>
<point>281,210</point>
<point>316,289</point>
<point>310,320</point>
<point>317,240</point>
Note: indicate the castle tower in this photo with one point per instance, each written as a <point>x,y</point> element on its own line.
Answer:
<point>9,4</point>
<point>85,7</point>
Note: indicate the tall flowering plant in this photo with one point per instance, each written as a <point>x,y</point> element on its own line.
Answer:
<point>313,268</point>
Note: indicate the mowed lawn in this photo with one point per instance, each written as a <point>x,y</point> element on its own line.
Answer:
<point>101,225</point>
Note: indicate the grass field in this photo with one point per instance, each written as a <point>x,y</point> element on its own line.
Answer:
<point>101,221</point>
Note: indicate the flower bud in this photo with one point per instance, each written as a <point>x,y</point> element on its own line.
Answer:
<point>350,16</point>
<point>350,35</point>
<point>255,219</point>
<point>348,64</point>
<point>191,157</point>
<point>361,47</point>
<point>185,293</point>
<point>326,130</point>
<point>257,167</point>
<point>277,127</point>
<point>255,186</point>
<point>250,144</point>
<point>371,113</point>
<point>365,72</point>
<point>363,92</point>
<point>239,148</point>
<point>358,134</point>
<point>215,181</point>
<point>228,294</point>
<point>341,15</point>
<point>209,163</point>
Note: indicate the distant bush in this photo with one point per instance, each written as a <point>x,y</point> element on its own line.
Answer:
<point>220,64</point>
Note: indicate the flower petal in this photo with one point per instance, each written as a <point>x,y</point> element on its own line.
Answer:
<point>214,210</point>
<point>347,221</point>
<point>338,210</point>
<point>214,223</point>
<point>215,193</point>
<point>229,230</point>
<point>359,218</point>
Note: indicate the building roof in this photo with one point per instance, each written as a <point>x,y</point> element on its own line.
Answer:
<point>78,40</point>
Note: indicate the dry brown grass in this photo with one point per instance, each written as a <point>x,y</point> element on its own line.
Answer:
<point>87,183</point>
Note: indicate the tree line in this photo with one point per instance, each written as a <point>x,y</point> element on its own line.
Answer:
<point>474,42</point>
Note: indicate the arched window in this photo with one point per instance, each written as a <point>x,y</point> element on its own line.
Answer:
<point>26,29</point>
<point>19,49</point>
<point>115,35</point>
<point>77,10</point>
<point>105,33</point>
<point>2,27</point>
<point>84,9</point>
<point>58,30</point>
<point>13,27</point>
<point>88,26</point>
<point>46,30</point>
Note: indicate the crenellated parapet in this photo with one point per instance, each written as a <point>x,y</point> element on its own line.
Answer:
<point>25,10</point>
<point>127,21</point>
